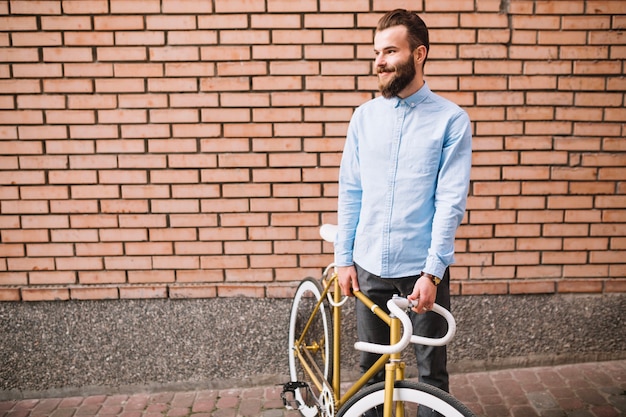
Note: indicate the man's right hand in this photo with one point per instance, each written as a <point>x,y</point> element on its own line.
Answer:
<point>347,279</point>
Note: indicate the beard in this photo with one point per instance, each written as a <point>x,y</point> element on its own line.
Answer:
<point>404,73</point>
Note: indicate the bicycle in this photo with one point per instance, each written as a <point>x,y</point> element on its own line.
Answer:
<point>314,361</point>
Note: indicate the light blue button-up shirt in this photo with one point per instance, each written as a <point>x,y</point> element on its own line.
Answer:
<point>403,185</point>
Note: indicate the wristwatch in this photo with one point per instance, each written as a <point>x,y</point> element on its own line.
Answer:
<point>434,279</point>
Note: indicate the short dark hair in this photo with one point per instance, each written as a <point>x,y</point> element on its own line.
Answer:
<point>416,28</point>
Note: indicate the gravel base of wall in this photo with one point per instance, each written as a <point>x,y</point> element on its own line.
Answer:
<point>58,348</point>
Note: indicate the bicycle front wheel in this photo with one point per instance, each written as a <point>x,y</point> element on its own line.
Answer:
<point>408,395</point>
<point>310,337</point>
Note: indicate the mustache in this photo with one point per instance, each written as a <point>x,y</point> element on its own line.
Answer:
<point>385,69</point>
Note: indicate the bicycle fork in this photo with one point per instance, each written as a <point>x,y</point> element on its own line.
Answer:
<point>394,371</point>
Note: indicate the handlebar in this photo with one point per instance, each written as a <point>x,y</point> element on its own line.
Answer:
<point>398,306</point>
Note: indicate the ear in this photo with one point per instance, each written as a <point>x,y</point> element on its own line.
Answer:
<point>420,54</point>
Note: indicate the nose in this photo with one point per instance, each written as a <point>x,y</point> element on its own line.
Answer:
<point>379,61</point>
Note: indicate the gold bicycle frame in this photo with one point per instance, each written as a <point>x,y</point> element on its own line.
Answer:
<point>393,364</point>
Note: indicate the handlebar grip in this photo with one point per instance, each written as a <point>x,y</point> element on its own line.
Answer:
<point>397,306</point>
<point>430,341</point>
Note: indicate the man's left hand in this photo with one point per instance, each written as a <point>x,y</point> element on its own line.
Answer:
<point>425,291</point>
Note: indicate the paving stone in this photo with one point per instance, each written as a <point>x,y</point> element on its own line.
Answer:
<point>579,390</point>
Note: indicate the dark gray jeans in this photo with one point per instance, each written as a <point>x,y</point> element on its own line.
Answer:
<point>431,360</point>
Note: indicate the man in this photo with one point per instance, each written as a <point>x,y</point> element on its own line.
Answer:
<point>403,186</point>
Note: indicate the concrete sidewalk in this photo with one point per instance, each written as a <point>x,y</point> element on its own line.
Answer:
<point>595,389</point>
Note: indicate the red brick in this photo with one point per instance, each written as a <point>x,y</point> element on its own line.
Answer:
<point>129,234</point>
<point>150,276</point>
<point>343,5</point>
<point>586,271</point>
<point>541,272</point>
<point>94,293</point>
<point>172,23</point>
<point>86,7</point>
<point>192,291</point>
<point>36,71</point>
<point>246,190</point>
<point>45,294</point>
<point>10,294</point>
<point>496,188</point>
<point>199,276</point>
<point>188,99</point>
<point>491,245</point>
<point>74,206</point>
<point>143,291</point>
<point>147,191</point>
<point>254,291</point>
<point>94,191</point>
<point>96,101</point>
<point>176,262</point>
<point>119,85</point>
<point>516,258</point>
<point>273,291</point>
<point>102,277</point>
<point>271,175</point>
<point>74,235</point>
<point>228,6</point>
<point>18,23</point>
<point>532,287</point>
<point>79,263</point>
<point>52,277</point>
<point>541,243</point>
<point>224,53</point>
<point>20,55</point>
<point>614,285</point>
<point>121,206</point>
<point>542,188</point>
<point>479,288</point>
<point>488,217</point>
<point>27,264</point>
<point>583,216</point>
<point>13,177</point>
<point>522,202</point>
<point>172,234</point>
<point>49,249</point>
<point>138,6</point>
<point>148,248</point>
<point>579,286</point>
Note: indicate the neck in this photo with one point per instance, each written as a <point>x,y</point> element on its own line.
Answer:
<point>412,88</point>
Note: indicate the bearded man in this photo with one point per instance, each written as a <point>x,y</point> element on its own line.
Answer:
<point>403,187</point>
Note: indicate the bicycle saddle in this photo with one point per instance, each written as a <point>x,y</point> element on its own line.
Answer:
<point>329,232</point>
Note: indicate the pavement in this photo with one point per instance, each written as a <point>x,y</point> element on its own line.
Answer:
<point>596,389</point>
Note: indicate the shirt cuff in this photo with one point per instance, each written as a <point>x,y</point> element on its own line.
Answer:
<point>343,257</point>
<point>434,267</point>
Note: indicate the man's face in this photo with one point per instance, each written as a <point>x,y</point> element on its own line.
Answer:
<point>395,62</point>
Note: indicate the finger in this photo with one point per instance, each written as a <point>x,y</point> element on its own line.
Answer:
<point>346,290</point>
<point>422,307</point>
<point>415,295</point>
<point>355,284</point>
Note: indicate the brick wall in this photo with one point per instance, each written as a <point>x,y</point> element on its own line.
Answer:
<point>190,148</point>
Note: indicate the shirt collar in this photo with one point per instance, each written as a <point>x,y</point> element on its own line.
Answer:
<point>414,99</point>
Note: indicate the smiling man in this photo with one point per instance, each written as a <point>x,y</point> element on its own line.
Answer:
<point>403,186</point>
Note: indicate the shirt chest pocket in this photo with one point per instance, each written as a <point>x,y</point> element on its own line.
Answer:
<point>419,158</point>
